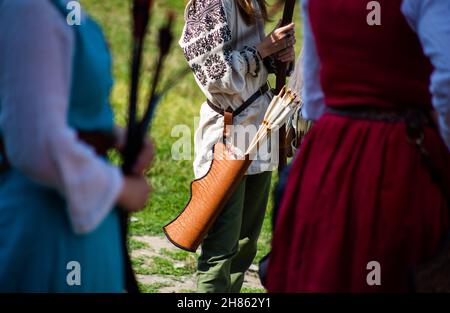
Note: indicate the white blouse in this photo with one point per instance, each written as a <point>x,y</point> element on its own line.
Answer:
<point>35,79</point>
<point>220,49</point>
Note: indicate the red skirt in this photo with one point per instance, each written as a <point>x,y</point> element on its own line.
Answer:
<point>358,192</point>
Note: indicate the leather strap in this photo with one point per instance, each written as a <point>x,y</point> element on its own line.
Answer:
<point>100,141</point>
<point>227,122</point>
<point>415,120</point>
<point>383,114</point>
<point>261,91</point>
<point>228,114</point>
<point>415,133</point>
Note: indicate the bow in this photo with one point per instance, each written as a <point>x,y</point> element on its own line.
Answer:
<point>141,17</point>
<point>281,74</point>
<point>136,130</point>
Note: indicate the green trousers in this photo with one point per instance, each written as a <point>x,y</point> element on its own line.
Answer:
<point>230,246</point>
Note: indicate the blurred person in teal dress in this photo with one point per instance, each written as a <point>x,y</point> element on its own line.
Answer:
<point>57,192</point>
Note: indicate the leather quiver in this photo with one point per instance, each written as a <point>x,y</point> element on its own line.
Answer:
<point>209,196</point>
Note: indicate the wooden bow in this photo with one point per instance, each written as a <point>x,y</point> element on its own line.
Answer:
<point>141,15</point>
<point>281,74</point>
<point>137,130</point>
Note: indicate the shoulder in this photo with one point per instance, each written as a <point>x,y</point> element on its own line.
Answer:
<point>200,8</point>
<point>34,22</point>
<point>26,15</point>
<point>35,9</point>
<point>205,20</point>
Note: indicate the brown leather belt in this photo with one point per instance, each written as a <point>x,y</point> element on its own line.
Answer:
<point>407,115</point>
<point>229,113</point>
<point>415,120</point>
<point>100,141</point>
<point>261,91</point>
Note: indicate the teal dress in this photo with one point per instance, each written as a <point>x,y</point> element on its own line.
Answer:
<point>37,244</point>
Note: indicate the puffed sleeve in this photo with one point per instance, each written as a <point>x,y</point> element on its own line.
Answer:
<point>207,44</point>
<point>430,19</point>
<point>35,72</point>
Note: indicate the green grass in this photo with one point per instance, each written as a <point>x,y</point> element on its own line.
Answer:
<point>152,288</point>
<point>161,266</point>
<point>177,255</point>
<point>252,290</point>
<point>136,245</point>
<point>170,179</point>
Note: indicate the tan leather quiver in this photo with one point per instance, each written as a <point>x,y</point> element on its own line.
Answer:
<point>209,195</point>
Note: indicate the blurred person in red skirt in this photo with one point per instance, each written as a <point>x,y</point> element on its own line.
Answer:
<point>369,187</point>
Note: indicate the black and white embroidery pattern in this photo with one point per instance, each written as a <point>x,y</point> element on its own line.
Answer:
<point>206,44</point>
<point>254,56</point>
<point>207,30</point>
<point>216,67</point>
<point>199,73</point>
<point>203,17</point>
<point>227,50</point>
<point>207,41</point>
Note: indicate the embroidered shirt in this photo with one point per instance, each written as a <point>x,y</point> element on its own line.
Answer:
<point>220,49</point>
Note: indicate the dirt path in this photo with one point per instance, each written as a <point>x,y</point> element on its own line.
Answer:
<point>161,267</point>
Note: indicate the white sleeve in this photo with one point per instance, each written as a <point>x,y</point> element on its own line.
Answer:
<point>207,46</point>
<point>313,97</point>
<point>430,19</point>
<point>35,79</point>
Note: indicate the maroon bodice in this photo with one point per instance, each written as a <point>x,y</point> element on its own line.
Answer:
<point>369,65</point>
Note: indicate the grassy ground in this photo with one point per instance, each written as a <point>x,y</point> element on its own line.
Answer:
<point>170,179</point>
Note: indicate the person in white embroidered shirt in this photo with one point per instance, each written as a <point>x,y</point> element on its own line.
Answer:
<point>225,46</point>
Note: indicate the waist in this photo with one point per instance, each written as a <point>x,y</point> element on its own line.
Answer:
<point>389,115</point>
<point>101,141</point>
<point>244,105</point>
